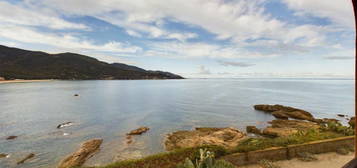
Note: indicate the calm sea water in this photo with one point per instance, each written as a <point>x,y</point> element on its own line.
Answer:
<point>109,109</point>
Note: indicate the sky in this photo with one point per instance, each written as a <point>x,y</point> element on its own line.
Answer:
<point>193,38</point>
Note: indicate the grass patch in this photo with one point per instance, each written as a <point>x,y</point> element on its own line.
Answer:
<point>167,159</point>
<point>301,137</point>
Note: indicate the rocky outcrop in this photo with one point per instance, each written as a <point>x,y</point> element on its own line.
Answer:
<point>29,156</point>
<point>2,155</point>
<point>139,131</point>
<point>253,129</point>
<point>225,137</point>
<point>285,112</point>
<point>11,137</point>
<point>352,122</point>
<point>66,124</point>
<point>288,127</point>
<point>78,158</point>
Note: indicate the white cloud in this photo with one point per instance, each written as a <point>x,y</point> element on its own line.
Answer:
<point>64,41</point>
<point>196,50</point>
<point>339,11</point>
<point>16,14</point>
<point>236,20</point>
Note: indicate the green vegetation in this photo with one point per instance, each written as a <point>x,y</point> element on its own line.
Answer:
<point>301,137</point>
<point>338,127</point>
<point>268,164</point>
<point>22,64</point>
<point>206,160</point>
<point>167,159</point>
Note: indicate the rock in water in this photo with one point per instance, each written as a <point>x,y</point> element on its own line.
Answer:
<point>139,131</point>
<point>78,158</point>
<point>2,155</point>
<point>280,128</point>
<point>225,137</point>
<point>285,112</point>
<point>341,115</point>
<point>11,137</point>
<point>29,156</point>
<point>66,124</point>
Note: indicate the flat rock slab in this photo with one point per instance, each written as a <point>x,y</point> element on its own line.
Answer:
<point>285,112</point>
<point>78,158</point>
<point>139,131</point>
<point>288,127</point>
<point>225,137</point>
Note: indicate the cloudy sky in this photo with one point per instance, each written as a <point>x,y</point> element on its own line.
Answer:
<point>194,38</point>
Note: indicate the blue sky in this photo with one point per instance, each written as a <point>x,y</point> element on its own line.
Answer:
<point>193,38</point>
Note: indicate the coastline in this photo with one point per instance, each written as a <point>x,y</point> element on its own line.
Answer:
<point>25,81</point>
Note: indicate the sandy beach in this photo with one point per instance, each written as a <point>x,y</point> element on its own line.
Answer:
<point>24,81</point>
<point>326,160</point>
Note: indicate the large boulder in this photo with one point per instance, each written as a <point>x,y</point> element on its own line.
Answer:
<point>225,137</point>
<point>78,158</point>
<point>280,128</point>
<point>285,112</point>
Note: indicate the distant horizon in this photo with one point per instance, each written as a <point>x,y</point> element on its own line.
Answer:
<point>195,39</point>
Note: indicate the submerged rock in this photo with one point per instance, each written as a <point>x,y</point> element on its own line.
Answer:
<point>11,137</point>
<point>2,155</point>
<point>139,131</point>
<point>66,124</point>
<point>29,156</point>
<point>226,137</point>
<point>288,127</point>
<point>285,112</point>
<point>78,158</point>
<point>253,129</point>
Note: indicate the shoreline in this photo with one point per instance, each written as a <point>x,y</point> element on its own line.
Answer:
<point>25,81</point>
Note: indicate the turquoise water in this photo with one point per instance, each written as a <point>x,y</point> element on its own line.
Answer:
<point>109,109</point>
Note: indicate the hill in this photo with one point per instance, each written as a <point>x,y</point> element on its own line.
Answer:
<point>23,64</point>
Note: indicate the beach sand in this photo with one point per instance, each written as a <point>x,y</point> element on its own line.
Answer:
<point>23,81</point>
<point>326,160</point>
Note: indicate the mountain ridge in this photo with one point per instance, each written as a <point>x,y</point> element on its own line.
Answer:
<point>16,63</point>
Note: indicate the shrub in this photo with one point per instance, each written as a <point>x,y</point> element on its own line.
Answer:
<point>338,127</point>
<point>206,160</point>
<point>301,137</point>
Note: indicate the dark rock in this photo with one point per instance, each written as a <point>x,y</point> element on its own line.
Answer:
<point>341,115</point>
<point>139,131</point>
<point>2,155</point>
<point>253,129</point>
<point>78,158</point>
<point>76,95</point>
<point>280,115</point>
<point>29,156</point>
<point>66,124</point>
<point>11,137</point>
<point>285,112</point>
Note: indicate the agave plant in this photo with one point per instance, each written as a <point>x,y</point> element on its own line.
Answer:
<point>206,160</point>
